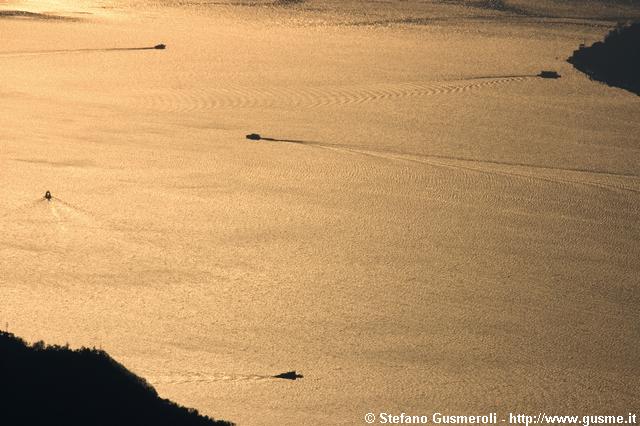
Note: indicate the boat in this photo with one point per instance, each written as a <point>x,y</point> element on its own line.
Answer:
<point>549,74</point>
<point>289,375</point>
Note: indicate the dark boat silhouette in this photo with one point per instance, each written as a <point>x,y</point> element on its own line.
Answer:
<point>160,46</point>
<point>289,375</point>
<point>548,74</point>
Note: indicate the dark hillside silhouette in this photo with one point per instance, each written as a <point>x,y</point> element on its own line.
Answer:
<point>54,385</point>
<point>615,61</point>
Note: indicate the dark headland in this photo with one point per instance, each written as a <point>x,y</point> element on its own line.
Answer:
<point>614,61</point>
<point>54,385</point>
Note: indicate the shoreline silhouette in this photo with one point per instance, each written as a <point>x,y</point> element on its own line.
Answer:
<point>52,384</point>
<point>615,61</point>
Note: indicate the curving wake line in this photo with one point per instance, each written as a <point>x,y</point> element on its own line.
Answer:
<point>468,165</point>
<point>59,220</point>
<point>22,14</point>
<point>190,378</point>
<point>17,53</point>
<point>203,99</point>
<point>522,170</point>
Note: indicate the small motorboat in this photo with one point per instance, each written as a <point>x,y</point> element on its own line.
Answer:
<point>289,375</point>
<point>548,74</point>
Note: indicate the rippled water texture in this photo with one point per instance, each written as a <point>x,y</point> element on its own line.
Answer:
<point>430,228</point>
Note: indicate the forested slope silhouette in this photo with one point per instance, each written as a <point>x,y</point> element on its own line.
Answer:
<point>614,61</point>
<point>54,385</point>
